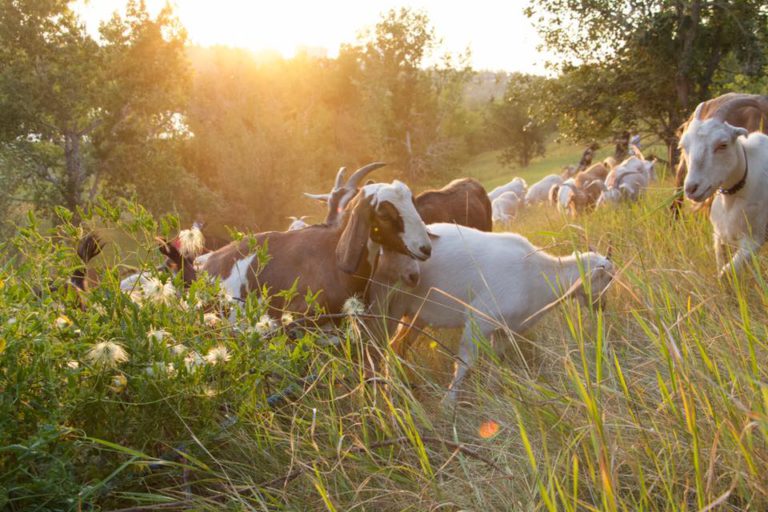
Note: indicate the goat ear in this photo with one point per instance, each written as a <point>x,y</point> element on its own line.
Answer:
<point>736,131</point>
<point>354,239</point>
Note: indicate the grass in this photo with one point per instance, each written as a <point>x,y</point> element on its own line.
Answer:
<point>659,402</point>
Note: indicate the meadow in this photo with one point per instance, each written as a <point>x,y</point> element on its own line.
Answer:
<point>657,402</point>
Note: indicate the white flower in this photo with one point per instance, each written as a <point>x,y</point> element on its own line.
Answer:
<point>218,355</point>
<point>62,322</point>
<point>73,365</point>
<point>211,319</point>
<point>265,325</point>
<point>11,321</point>
<point>159,368</point>
<point>156,291</point>
<point>353,306</point>
<point>191,242</point>
<point>157,335</point>
<point>193,360</point>
<point>178,349</point>
<point>107,354</point>
<point>286,319</point>
<point>99,308</point>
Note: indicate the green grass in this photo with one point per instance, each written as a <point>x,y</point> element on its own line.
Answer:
<point>660,402</point>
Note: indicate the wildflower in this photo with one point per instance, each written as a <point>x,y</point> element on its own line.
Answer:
<point>218,355</point>
<point>73,365</point>
<point>265,324</point>
<point>209,392</point>
<point>157,335</point>
<point>62,322</point>
<point>156,291</point>
<point>286,319</point>
<point>107,354</point>
<point>211,319</point>
<point>488,429</point>
<point>191,242</point>
<point>119,383</point>
<point>152,370</point>
<point>353,306</point>
<point>99,308</point>
<point>11,320</point>
<point>193,360</point>
<point>178,349</point>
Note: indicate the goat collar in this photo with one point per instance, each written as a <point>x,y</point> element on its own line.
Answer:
<point>742,181</point>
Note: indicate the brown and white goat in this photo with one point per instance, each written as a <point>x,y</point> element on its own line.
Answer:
<point>580,193</point>
<point>732,109</point>
<point>335,258</point>
<point>343,192</point>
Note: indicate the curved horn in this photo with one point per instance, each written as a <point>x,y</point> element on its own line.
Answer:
<point>359,174</point>
<point>339,178</point>
<point>319,197</point>
<point>726,108</point>
<point>637,152</point>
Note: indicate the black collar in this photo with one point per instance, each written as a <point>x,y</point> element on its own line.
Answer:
<point>742,181</point>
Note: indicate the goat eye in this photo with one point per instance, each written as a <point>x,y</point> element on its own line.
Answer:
<point>721,146</point>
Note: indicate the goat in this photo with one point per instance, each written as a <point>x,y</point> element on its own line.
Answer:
<point>580,193</point>
<point>569,171</point>
<point>335,258</point>
<point>751,116</point>
<point>297,223</point>
<point>485,280</point>
<point>462,201</point>
<point>517,185</point>
<point>726,159</point>
<point>626,181</point>
<point>505,208</point>
<point>342,192</point>
<point>539,191</point>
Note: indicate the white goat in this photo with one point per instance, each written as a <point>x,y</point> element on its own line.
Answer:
<point>517,185</point>
<point>487,280</point>
<point>505,208</point>
<point>298,222</point>
<point>626,181</point>
<point>539,191</point>
<point>722,158</point>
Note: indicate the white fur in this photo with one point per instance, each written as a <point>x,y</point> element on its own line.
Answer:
<point>717,155</point>
<point>487,280</point>
<point>505,208</point>
<point>238,278</point>
<point>626,181</point>
<point>565,195</point>
<point>517,185</point>
<point>297,223</point>
<point>539,191</point>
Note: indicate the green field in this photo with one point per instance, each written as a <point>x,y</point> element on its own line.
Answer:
<point>659,402</point>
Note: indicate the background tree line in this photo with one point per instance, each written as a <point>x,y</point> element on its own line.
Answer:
<point>222,135</point>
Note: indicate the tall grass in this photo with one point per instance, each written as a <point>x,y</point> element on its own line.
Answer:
<point>658,402</point>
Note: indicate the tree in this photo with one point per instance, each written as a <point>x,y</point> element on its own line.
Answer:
<point>412,110</point>
<point>87,114</point>
<point>514,124</point>
<point>647,62</point>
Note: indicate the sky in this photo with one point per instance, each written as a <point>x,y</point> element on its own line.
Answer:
<point>498,33</point>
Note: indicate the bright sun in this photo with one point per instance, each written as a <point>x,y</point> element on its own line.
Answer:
<point>498,33</point>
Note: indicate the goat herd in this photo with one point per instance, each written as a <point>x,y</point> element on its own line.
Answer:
<point>433,261</point>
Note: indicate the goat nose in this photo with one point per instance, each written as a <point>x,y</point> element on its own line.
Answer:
<point>426,250</point>
<point>691,189</point>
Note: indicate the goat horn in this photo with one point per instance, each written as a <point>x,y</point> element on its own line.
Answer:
<point>359,174</point>
<point>319,197</point>
<point>339,178</point>
<point>726,108</point>
<point>637,152</point>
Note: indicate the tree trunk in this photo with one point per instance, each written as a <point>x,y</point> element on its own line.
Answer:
<point>75,177</point>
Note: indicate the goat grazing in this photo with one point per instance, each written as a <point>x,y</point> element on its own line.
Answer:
<point>753,116</point>
<point>332,258</point>
<point>489,281</point>
<point>723,158</point>
<point>539,191</point>
<point>517,185</point>
<point>580,193</point>
<point>626,181</point>
<point>505,208</point>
